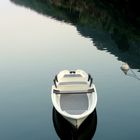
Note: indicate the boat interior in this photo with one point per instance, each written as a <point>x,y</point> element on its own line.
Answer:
<point>73,92</point>
<point>74,104</point>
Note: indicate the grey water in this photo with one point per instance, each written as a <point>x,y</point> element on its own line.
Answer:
<point>34,48</point>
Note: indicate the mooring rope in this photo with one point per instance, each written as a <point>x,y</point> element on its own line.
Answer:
<point>134,74</point>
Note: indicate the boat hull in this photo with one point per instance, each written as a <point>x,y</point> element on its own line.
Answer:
<point>75,120</point>
<point>74,95</point>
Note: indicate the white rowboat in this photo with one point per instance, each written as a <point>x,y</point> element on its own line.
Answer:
<point>74,95</point>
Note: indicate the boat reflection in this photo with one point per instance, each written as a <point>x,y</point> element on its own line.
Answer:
<point>66,131</point>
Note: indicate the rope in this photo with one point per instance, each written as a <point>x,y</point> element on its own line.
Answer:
<point>133,74</point>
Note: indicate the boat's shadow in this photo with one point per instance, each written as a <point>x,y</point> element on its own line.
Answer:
<point>66,131</point>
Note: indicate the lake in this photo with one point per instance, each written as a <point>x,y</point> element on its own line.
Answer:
<point>34,47</point>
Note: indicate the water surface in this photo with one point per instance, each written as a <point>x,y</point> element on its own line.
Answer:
<point>33,48</point>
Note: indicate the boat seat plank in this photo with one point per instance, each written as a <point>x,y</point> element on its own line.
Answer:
<point>72,79</point>
<point>73,92</point>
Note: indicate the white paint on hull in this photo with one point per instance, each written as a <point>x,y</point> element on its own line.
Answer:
<point>76,119</point>
<point>76,122</point>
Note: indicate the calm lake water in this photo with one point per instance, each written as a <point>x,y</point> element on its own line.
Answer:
<point>33,48</point>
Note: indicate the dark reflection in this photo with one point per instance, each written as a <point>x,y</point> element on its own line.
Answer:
<point>120,39</point>
<point>105,24</point>
<point>46,8</point>
<point>123,49</point>
<point>66,131</point>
